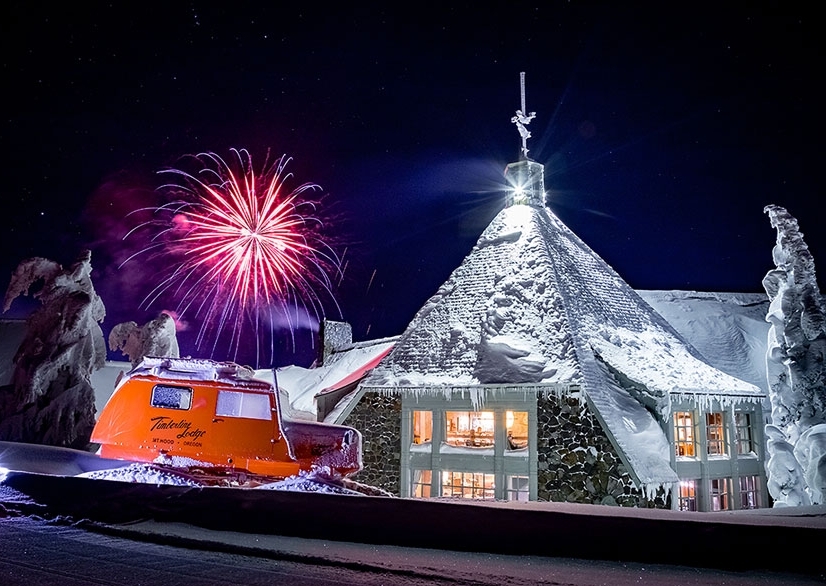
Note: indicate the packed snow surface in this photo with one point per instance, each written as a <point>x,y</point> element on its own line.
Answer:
<point>312,481</point>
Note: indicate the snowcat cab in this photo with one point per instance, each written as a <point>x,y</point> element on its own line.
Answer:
<point>215,415</point>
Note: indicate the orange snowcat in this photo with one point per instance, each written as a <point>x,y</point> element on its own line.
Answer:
<point>217,419</point>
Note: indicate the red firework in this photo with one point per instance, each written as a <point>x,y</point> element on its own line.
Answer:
<point>242,247</point>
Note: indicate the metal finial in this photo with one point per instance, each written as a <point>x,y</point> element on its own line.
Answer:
<point>521,119</point>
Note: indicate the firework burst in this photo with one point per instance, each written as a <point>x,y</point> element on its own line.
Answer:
<point>243,251</point>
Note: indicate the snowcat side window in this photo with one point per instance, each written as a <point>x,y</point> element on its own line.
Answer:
<point>248,405</point>
<point>171,397</point>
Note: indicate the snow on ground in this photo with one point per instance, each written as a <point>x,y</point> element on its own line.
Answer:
<point>313,481</point>
<point>143,473</point>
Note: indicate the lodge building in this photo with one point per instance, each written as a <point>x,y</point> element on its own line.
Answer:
<point>536,372</point>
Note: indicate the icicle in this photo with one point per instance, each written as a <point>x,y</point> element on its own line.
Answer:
<point>478,394</point>
<point>652,489</point>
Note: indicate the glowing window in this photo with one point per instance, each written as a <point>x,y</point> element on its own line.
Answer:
<point>742,426</point>
<point>516,424</point>
<point>720,494</point>
<point>687,497</point>
<point>422,426</point>
<point>684,434</point>
<point>468,485</point>
<point>749,492</point>
<point>715,434</point>
<point>421,483</point>
<point>171,397</point>
<point>247,405</point>
<point>517,488</point>
<point>469,428</point>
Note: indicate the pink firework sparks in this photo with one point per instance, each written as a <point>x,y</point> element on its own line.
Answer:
<point>242,247</point>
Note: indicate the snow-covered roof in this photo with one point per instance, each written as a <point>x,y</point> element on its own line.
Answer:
<point>196,369</point>
<point>303,384</point>
<point>728,329</point>
<point>533,304</point>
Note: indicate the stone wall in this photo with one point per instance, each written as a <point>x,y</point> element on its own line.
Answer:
<point>577,462</point>
<point>379,418</point>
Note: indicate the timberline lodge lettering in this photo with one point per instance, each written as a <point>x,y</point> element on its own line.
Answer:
<point>185,427</point>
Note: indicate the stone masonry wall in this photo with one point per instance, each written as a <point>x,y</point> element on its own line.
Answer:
<point>379,419</point>
<point>577,462</point>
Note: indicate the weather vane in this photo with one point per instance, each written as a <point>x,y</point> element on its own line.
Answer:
<point>521,119</point>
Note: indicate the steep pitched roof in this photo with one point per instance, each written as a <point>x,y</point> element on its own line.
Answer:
<point>532,304</point>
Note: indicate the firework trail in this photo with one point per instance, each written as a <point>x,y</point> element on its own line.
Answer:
<point>242,250</point>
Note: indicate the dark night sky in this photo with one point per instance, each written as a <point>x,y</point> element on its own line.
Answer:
<point>664,128</point>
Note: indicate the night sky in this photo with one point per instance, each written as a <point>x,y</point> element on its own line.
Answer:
<point>664,130</point>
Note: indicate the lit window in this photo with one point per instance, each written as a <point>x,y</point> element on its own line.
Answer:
<point>715,434</point>
<point>720,493</point>
<point>749,492</point>
<point>469,428</point>
<point>421,483</point>
<point>248,405</point>
<point>742,426</point>
<point>687,499</point>
<point>516,424</point>
<point>171,397</point>
<point>422,426</point>
<point>518,488</point>
<point>468,485</point>
<point>684,434</point>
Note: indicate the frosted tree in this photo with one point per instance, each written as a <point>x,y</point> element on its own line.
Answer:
<point>156,338</point>
<point>795,369</point>
<point>51,399</point>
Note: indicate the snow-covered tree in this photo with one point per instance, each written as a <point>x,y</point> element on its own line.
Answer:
<point>796,370</point>
<point>51,399</point>
<point>155,338</point>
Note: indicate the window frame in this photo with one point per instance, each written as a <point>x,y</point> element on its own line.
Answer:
<point>715,440</point>
<point>421,481</point>
<point>687,439</point>
<point>155,400</point>
<point>744,434</point>
<point>687,495</point>
<point>242,412</point>
<point>516,493</point>
<point>749,491</point>
<point>484,492</point>
<point>719,494</point>
<point>421,422</point>
<point>472,438</point>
